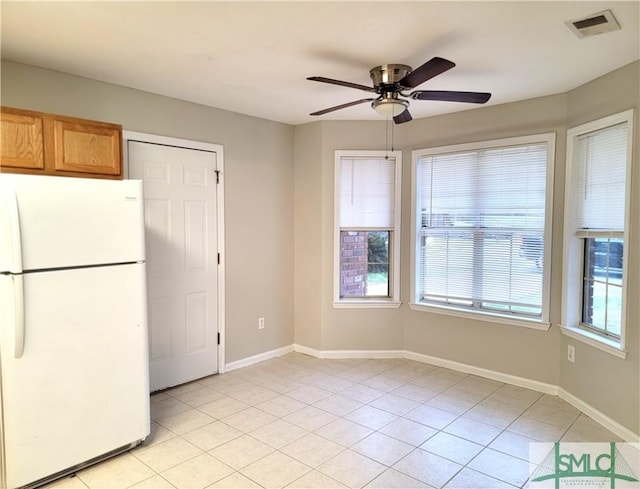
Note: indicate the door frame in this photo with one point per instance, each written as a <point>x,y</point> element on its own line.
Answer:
<point>218,149</point>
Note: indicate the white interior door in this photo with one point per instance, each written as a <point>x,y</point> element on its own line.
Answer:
<point>182,259</point>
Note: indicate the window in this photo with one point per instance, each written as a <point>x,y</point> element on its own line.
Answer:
<point>367,203</point>
<point>596,210</point>
<point>481,231</point>
<point>602,284</point>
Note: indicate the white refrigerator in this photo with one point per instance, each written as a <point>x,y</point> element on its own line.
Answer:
<point>74,381</point>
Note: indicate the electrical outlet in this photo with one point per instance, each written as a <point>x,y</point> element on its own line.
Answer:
<point>571,353</point>
<point>260,323</point>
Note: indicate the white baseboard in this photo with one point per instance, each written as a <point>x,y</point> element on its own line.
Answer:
<point>307,350</point>
<point>616,428</point>
<point>483,372</point>
<point>260,357</point>
<point>598,416</point>
<point>341,354</point>
<point>379,354</point>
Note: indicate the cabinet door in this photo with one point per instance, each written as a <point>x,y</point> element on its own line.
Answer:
<point>87,148</point>
<point>22,141</point>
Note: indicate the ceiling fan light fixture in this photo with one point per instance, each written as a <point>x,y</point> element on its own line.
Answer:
<point>391,81</point>
<point>389,107</point>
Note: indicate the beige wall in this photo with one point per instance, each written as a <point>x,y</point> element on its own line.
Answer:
<point>610,384</point>
<point>308,236</point>
<point>513,350</point>
<point>517,351</point>
<point>258,187</point>
<point>605,382</point>
<point>279,226</point>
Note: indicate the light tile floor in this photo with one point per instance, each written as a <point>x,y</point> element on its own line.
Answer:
<point>301,422</point>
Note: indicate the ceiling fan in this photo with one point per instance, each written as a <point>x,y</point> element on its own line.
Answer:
<point>391,82</point>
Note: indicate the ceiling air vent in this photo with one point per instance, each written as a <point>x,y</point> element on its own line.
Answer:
<point>594,24</point>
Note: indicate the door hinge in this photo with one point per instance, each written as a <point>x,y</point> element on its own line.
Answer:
<point>218,338</point>
<point>218,258</point>
<point>217,176</point>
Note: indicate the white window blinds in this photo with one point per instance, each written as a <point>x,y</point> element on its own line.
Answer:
<point>482,222</point>
<point>601,179</point>
<point>367,193</point>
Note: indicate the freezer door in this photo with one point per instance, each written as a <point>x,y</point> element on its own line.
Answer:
<point>81,387</point>
<point>66,222</point>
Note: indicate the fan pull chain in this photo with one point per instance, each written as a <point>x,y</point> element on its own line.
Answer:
<point>386,138</point>
<point>392,124</point>
<point>388,129</point>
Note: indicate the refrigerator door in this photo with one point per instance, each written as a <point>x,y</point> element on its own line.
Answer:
<point>81,387</point>
<point>68,222</point>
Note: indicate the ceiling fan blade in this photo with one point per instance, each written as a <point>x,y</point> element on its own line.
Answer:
<point>449,96</point>
<point>322,79</point>
<point>403,117</point>
<point>343,106</point>
<point>433,67</point>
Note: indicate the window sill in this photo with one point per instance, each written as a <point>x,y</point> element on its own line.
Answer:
<point>483,316</point>
<point>609,346</point>
<point>366,304</point>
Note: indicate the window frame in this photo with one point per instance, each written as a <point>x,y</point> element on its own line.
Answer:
<point>393,301</point>
<point>573,245</point>
<point>542,323</point>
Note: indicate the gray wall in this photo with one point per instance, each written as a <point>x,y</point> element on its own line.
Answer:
<point>510,349</point>
<point>258,187</point>
<point>605,382</point>
<point>279,226</point>
<point>308,236</point>
<point>513,350</point>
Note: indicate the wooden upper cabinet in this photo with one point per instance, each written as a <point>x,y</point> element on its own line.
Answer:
<point>49,144</point>
<point>87,148</point>
<point>22,141</point>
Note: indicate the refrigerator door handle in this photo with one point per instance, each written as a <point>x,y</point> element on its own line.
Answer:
<point>15,240</point>
<point>18,300</point>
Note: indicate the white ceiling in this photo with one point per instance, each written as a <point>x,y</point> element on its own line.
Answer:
<point>254,57</point>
